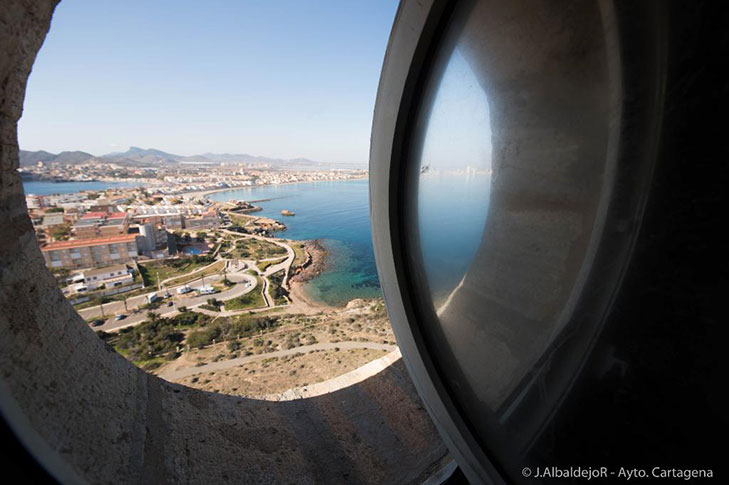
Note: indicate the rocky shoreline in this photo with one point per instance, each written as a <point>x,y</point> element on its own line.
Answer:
<point>316,262</point>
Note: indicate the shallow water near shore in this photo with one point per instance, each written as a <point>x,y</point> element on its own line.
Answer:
<point>336,212</point>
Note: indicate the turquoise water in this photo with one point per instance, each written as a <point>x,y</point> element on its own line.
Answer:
<point>40,187</point>
<point>336,212</point>
<point>451,221</point>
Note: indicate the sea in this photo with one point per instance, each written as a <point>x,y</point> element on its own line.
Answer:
<point>44,187</point>
<point>337,213</point>
<point>451,221</point>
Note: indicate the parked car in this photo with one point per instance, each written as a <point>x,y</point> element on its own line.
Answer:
<point>121,316</point>
<point>97,323</point>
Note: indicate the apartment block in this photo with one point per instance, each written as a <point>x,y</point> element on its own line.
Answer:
<point>208,220</point>
<point>87,253</point>
<point>101,224</point>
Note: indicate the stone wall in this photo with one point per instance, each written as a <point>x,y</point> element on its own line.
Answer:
<point>89,415</point>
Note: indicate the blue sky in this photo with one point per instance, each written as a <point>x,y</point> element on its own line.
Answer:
<point>275,78</point>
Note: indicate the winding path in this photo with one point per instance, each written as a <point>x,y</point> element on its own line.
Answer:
<point>227,364</point>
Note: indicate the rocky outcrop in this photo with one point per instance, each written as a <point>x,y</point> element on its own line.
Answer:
<point>88,415</point>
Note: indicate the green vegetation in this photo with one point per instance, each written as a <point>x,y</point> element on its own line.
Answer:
<point>229,329</point>
<point>240,219</point>
<point>61,233</point>
<point>225,245</point>
<point>170,268</point>
<point>213,304</point>
<point>212,269</point>
<point>250,248</point>
<point>299,252</point>
<point>265,264</point>
<point>154,338</point>
<point>278,292</point>
<point>53,210</point>
<point>252,299</point>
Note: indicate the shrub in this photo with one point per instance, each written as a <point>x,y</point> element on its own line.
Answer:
<point>156,337</point>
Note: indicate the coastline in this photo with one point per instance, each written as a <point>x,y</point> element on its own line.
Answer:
<point>315,264</point>
<point>204,193</point>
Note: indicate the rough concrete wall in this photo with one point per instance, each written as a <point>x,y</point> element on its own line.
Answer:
<point>88,414</point>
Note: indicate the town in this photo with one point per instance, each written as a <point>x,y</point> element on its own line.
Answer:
<point>177,282</point>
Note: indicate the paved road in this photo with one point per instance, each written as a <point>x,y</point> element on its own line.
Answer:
<point>227,364</point>
<point>164,282</point>
<point>285,264</point>
<point>110,309</point>
<point>235,273</point>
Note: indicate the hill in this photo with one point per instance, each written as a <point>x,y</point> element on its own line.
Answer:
<point>66,158</point>
<point>137,156</point>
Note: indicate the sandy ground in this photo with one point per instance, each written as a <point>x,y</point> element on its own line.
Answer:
<point>361,321</point>
<point>302,303</point>
<point>279,374</point>
<point>330,338</point>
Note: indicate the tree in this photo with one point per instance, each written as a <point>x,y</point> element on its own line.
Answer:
<point>61,233</point>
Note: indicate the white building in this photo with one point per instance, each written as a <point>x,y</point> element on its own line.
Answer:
<point>111,276</point>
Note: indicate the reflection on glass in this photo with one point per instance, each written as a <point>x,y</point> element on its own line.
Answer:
<point>455,178</point>
<point>496,266</point>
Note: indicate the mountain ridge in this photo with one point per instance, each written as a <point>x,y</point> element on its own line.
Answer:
<point>137,156</point>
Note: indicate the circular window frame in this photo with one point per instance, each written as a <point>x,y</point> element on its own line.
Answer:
<point>633,147</point>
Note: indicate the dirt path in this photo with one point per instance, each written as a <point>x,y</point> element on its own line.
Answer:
<point>227,364</point>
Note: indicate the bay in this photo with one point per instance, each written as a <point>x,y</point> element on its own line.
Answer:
<point>335,212</point>
<point>44,187</point>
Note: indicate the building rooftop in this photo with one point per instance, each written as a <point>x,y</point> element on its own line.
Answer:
<point>52,220</point>
<point>88,242</point>
<point>85,222</point>
<point>94,215</point>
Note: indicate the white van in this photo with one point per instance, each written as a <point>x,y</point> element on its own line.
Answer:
<point>205,290</point>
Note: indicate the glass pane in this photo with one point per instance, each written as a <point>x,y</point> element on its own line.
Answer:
<point>455,178</point>
<point>506,164</point>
